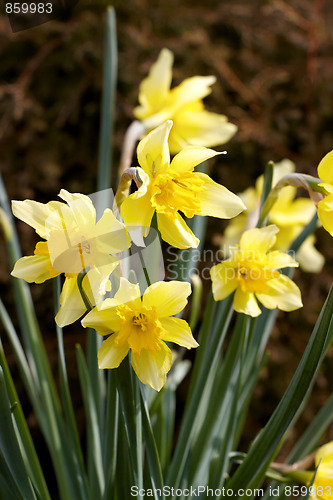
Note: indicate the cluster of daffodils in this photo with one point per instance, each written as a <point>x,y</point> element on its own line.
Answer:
<point>86,251</point>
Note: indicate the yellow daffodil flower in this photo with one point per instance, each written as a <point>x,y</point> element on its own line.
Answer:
<point>252,271</point>
<point>290,215</point>
<point>322,487</point>
<point>325,207</point>
<point>74,241</point>
<point>171,187</point>
<point>193,125</point>
<point>142,326</point>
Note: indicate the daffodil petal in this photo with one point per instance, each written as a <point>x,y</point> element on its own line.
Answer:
<point>154,89</point>
<point>110,355</point>
<point>128,292</point>
<point>96,282</point>
<point>279,260</point>
<point>217,201</point>
<point>191,89</point>
<point>83,210</point>
<point>224,280</point>
<point>103,318</point>
<point>111,235</point>
<point>299,211</point>
<point>176,232</point>
<point>258,239</point>
<point>324,455</point>
<point>152,367</point>
<point>202,128</point>
<point>35,214</point>
<point>168,298</point>
<point>325,168</point>
<point>325,213</point>
<point>309,258</point>
<point>178,331</point>
<point>153,150</point>
<point>137,213</point>
<point>34,269</point>
<point>283,293</point>
<point>71,304</point>
<point>190,157</point>
<point>245,302</point>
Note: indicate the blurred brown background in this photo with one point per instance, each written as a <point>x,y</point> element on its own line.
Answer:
<point>274,66</point>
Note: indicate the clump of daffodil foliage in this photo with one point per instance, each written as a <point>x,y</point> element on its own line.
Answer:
<point>139,325</point>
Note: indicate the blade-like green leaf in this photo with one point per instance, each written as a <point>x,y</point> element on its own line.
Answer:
<point>250,473</point>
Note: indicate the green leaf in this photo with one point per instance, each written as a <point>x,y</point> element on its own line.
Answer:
<point>251,472</point>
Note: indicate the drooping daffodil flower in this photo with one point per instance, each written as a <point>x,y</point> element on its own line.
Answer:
<point>142,325</point>
<point>289,214</point>
<point>193,125</point>
<point>168,188</point>
<point>325,206</point>
<point>252,272</point>
<point>74,241</point>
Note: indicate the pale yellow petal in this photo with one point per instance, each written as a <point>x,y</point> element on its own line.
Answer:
<point>34,269</point>
<point>325,455</point>
<point>152,367</point>
<point>103,318</point>
<point>168,298</point>
<point>110,355</point>
<point>279,260</point>
<point>258,239</point>
<point>325,213</point>
<point>191,89</point>
<point>82,208</point>
<point>96,282</point>
<point>35,214</point>
<point>245,302</point>
<point>309,258</point>
<point>128,292</point>
<point>176,232</point>
<point>190,157</point>
<point>325,168</point>
<point>153,150</point>
<point>178,331</point>
<point>224,280</point>
<point>154,89</point>
<point>110,234</point>
<point>71,304</point>
<point>282,293</point>
<point>137,213</point>
<point>217,201</point>
<point>299,211</point>
<point>201,128</point>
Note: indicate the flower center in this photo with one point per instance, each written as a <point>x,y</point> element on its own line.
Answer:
<point>140,328</point>
<point>252,273</point>
<point>173,191</point>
